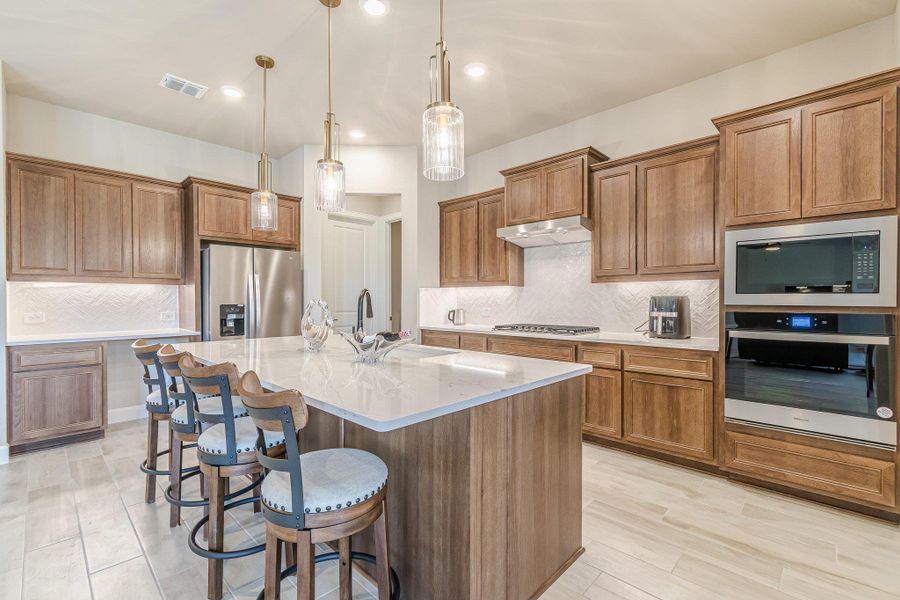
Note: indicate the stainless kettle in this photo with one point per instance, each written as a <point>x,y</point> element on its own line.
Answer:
<point>457,316</point>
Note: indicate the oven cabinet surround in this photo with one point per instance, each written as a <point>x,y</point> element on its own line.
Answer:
<point>221,213</point>
<point>56,393</point>
<point>470,252</point>
<point>830,152</point>
<point>74,223</point>
<point>659,399</point>
<point>656,213</point>
<point>551,188</point>
<point>483,455</point>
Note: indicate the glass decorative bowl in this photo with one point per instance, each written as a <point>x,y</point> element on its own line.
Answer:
<point>316,329</point>
<point>373,349</point>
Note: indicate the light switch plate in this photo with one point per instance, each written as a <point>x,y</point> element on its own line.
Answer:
<point>35,317</point>
<point>167,315</point>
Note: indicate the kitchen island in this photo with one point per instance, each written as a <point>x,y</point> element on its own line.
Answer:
<point>483,450</point>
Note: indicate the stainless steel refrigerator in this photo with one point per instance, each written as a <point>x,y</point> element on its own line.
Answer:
<point>250,292</point>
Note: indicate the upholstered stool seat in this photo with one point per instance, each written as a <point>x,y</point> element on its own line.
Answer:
<point>210,405</point>
<point>212,441</point>
<point>155,398</point>
<point>332,480</point>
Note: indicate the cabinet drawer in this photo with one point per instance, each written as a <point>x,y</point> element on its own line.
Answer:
<point>678,363</point>
<point>532,348</point>
<point>28,358</point>
<point>598,355</point>
<point>832,472</point>
<point>440,338</point>
<point>477,343</point>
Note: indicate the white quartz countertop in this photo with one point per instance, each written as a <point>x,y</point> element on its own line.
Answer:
<point>413,384</point>
<point>609,337</point>
<point>97,336</point>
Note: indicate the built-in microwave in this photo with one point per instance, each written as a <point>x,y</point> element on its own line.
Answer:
<point>851,262</point>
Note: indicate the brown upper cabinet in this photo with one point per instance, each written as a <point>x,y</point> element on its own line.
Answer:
<point>471,252</point>
<point>829,152</point>
<point>677,226</point>
<point>223,214</point>
<point>69,222</point>
<point>613,212</point>
<point>41,221</point>
<point>655,213</point>
<point>552,188</point>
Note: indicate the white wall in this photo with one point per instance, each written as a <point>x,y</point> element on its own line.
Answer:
<point>379,170</point>
<point>49,131</point>
<point>684,112</point>
<point>4,446</point>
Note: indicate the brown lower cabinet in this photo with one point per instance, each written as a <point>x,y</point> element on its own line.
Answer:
<point>833,469</point>
<point>603,403</point>
<point>56,391</point>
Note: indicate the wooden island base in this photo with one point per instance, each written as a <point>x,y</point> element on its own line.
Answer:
<point>483,504</point>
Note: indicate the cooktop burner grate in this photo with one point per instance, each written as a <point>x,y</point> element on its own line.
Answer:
<point>551,329</point>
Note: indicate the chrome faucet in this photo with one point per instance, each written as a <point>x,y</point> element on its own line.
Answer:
<point>358,331</point>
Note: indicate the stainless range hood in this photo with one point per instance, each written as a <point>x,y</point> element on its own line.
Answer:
<point>555,232</point>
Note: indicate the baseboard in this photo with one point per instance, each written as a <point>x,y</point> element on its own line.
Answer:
<point>4,454</point>
<point>127,413</point>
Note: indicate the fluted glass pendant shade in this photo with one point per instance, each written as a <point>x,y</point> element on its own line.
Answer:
<point>330,187</point>
<point>443,141</point>
<point>264,210</point>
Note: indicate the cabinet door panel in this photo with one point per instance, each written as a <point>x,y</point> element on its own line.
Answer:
<point>523,197</point>
<point>762,169</point>
<point>459,243</point>
<point>442,339</point>
<point>603,403</point>
<point>47,404</point>
<point>613,216</point>
<point>224,213</point>
<point>103,226</point>
<point>563,194</point>
<point>473,342</point>
<point>677,212</point>
<point>669,414</point>
<point>288,231</point>
<point>531,347</point>
<point>158,232</point>
<point>850,153</point>
<point>41,220</point>
<point>492,252</point>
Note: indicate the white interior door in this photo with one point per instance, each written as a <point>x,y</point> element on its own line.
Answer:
<point>352,261</point>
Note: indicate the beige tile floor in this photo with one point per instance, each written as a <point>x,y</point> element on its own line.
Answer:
<point>73,525</point>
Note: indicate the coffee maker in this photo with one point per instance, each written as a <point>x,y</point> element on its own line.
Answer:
<point>670,317</point>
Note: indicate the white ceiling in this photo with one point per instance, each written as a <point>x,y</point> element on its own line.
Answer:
<point>550,62</point>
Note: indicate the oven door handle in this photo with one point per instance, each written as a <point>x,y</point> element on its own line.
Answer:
<point>821,338</point>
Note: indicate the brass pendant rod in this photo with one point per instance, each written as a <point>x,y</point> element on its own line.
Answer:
<point>442,20</point>
<point>329,57</point>
<point>265,103</point>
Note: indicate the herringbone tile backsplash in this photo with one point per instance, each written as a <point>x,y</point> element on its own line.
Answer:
<point>558,290</point>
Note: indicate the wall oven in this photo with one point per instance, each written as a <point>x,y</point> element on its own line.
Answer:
<point>832,375</point>
<point>851,262</point>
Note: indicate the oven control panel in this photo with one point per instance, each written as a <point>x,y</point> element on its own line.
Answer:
<point>813,322</point>
<point>865,264</point>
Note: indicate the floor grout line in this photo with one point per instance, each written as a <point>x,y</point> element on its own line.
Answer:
<point>87,567</point>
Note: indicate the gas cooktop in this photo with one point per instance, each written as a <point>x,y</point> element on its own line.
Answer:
<point>551,329</point>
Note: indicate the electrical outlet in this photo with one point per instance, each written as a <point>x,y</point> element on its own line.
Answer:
<point>35,317</point>
<point>167,315</point>
<point>485,311</point>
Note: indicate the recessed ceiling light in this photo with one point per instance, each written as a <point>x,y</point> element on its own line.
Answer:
<point>357,134</point>
<point>375,8</point>
<point>232,92</point>
<point>475,70</point>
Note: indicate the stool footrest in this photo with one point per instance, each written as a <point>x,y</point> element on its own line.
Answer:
<point>165,473</point>
<point>363,556</point>
<point>225,554</point>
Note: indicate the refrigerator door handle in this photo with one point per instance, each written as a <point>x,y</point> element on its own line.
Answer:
<point>256,312</point>
<point>250,310</point>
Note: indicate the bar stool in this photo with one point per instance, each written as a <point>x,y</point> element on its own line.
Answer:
<point>226,448</point>
<point>315,497</point>
<point>159,403</point>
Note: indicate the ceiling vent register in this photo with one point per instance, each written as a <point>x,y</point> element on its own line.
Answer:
<point>183,86</point>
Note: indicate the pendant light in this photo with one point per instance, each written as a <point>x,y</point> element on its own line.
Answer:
<point>264,202</point>
<point>442,122</point>
<point>330,181</point>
